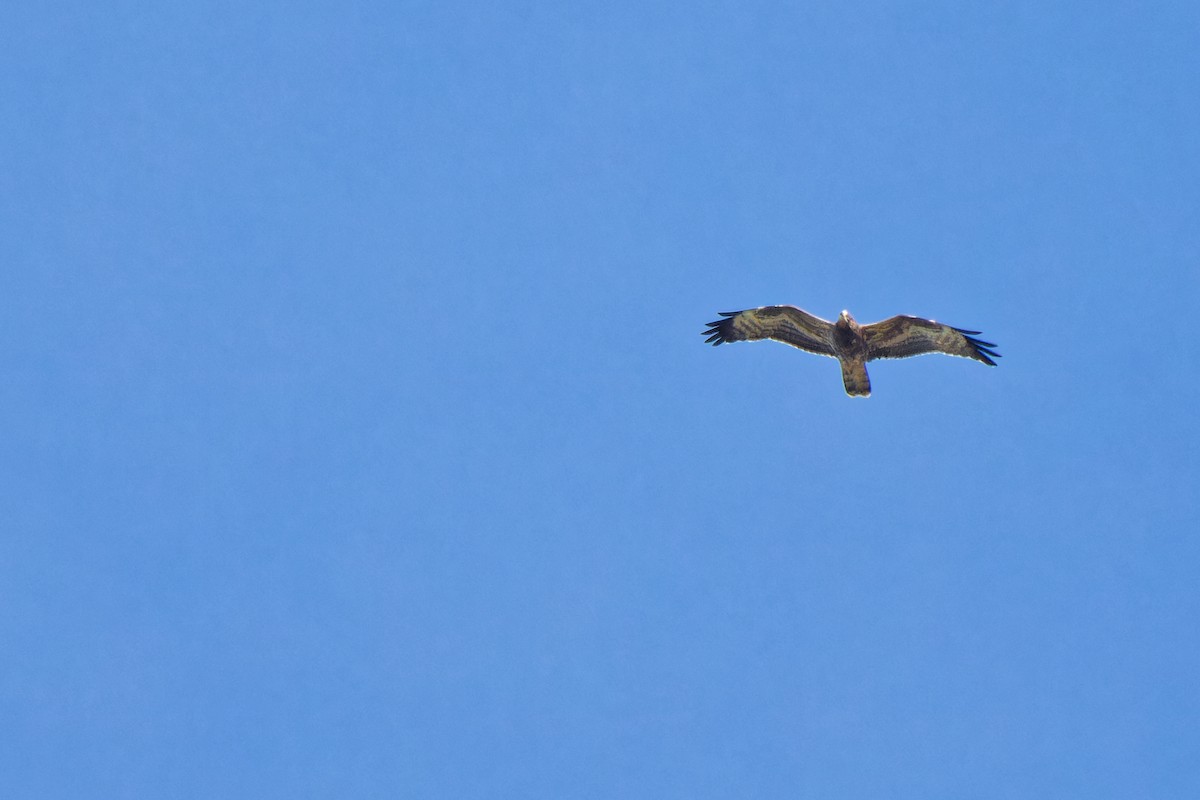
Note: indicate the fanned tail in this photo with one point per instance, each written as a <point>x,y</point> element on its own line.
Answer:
<point>854,376</point>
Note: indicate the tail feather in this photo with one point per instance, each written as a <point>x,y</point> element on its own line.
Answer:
<point>854,376</point>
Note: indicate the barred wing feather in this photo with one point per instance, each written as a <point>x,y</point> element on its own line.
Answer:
<point>904,336</point>
<point>786,324</point>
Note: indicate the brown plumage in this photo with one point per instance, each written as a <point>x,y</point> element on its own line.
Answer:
<point>847,341</point>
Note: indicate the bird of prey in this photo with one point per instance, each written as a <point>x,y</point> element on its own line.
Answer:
<point>847,341</point>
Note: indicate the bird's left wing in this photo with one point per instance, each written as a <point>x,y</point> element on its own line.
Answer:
<point>786,324</point>
<point>901,337</point>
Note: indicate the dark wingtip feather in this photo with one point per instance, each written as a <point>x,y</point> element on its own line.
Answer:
<point>714,333</point>
<point>718,331</point>
<point>982,349</point>
<point>966,332</point>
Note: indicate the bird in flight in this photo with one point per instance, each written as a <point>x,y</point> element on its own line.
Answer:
<point>847,341</point>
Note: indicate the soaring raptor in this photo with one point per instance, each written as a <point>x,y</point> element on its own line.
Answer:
<point>847,341</point>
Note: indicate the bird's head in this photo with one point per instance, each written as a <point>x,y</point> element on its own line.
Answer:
<point>845,317</point>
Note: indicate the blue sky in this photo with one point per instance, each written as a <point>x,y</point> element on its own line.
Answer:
<point>359,439</point>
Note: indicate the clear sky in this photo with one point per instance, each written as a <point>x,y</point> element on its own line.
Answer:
<point>359,440</point>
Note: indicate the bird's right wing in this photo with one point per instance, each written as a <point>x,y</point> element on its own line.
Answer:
<point>786,324</point>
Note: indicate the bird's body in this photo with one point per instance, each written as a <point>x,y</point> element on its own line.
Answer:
<point>850,343</point>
